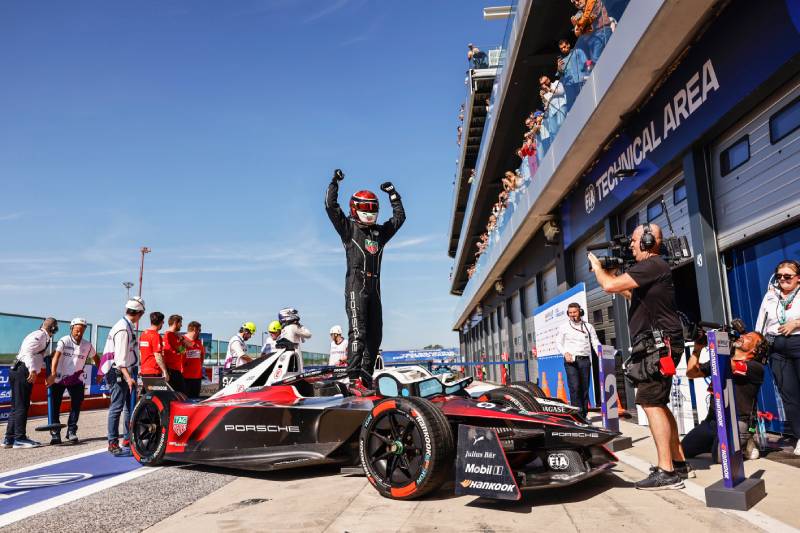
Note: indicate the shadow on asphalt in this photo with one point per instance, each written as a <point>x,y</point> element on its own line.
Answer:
<point>556,496</point>
<point>290,474</point>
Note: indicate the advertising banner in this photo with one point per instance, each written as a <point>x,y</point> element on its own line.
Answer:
<point>547,319</point>
<point>481,465</point>
<point>5,386</point>
<point>93,387</point>
<point>608,377</point>
<point>443,355</point>
<point>730,453</point>
<point>680,400</point>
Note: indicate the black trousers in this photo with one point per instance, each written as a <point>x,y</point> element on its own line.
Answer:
<point>176,380</point>
<point>76,394</point>
<point>703,439</point>
<point>784,361</point>
<point>20,402</point>
<point>193,387</point>
<point>578,382</point>
<point>365,319</point>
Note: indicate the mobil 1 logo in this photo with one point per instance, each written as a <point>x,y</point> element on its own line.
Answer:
<point>481,466</point>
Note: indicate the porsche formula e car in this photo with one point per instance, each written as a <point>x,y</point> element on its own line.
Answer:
<point>405,437</point>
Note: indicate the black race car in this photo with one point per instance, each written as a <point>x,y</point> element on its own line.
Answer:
<point>406,438</point>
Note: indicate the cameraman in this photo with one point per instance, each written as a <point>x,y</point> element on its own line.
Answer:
<point>649,288</point>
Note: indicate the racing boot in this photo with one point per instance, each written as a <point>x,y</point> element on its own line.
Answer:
<point>357,388</point>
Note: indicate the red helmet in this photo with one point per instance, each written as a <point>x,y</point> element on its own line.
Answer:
<point>364,207</point>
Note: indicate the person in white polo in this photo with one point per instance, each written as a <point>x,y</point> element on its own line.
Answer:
<point>575,340</point>
<point>338,353</point>
<point>66,374</point>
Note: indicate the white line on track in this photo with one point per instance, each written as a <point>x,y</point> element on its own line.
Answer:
<point>53,462</point>
<point>36,508</point>
<point>698,492</point>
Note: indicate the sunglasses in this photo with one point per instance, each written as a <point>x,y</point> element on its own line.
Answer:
<point>784,277</point>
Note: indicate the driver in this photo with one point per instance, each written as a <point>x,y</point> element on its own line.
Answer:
<point>363,241</point>
<point>747,373</point>
<point>274,330</point>
<point>338,351</point>
<point>237,346</point>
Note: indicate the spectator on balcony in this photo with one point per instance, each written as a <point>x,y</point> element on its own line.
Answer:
<point>492,224</point>
<point>573,68</point>
<point>509,181</point>
<point>471,176</point>
<point>555,103</point>
<point>461,114</point>
<point>593,23</point>
<point>476,57</point>
<point>459,131</point>
<point>541,135</point>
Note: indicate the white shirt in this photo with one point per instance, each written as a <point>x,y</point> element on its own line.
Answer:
<point>121,342</point>
<point>555,98</point>
<point>33,349</point>
<point>338,351</point>
<point>269,345</point>
<point>769,308</point>
<point>296,334</point>
<point>73,357</point>
<point>237,348</point>
<point>574,338</point>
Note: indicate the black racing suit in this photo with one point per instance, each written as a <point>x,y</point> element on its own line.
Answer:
<point>363,247</point>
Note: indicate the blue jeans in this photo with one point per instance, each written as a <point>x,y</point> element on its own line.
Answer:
<point>120,400</point>
<point>597,41</point>
<point>578,382</point>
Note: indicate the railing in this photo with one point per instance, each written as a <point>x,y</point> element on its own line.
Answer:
<point>558,93</point>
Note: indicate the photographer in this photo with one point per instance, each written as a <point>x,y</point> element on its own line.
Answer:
<point>657,339</point>
<point>747,374</point>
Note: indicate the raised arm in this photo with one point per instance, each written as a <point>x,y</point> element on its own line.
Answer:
<point>335,213</point>
<point>391,226</point>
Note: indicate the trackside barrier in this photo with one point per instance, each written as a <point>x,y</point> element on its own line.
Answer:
<point>734,490</point>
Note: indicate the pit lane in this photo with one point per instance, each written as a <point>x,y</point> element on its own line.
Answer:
<point>185,498</point>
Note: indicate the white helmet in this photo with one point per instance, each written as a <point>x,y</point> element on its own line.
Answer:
<point>336,330</point>
<point>135,304</point>
<point>77,321</point>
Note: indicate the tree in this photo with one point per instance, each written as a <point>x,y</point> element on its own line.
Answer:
<point>433,347</point>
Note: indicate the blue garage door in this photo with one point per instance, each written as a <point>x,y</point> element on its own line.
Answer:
<point>750,268</point>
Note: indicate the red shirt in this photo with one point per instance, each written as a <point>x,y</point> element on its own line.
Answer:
<point>193,360</point>
<point>149,344</point>
<point>173,351</point>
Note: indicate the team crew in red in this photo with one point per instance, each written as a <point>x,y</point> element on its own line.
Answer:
<point>151,348</point>
<point>174,348</point>
<point>193,360</point>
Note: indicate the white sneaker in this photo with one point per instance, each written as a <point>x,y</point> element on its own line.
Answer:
<point>797,448</point>
<point>751,450</point>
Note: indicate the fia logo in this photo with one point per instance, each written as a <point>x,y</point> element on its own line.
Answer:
<point>558,461</point>
<point>589,198</point>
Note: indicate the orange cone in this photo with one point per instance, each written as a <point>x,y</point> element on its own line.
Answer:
<point>545,386</point>
<point>562,392</point>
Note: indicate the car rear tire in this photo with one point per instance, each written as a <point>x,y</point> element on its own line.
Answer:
<point>533,388</point>
<point>149,431</point>
<point>406,448</point>
<point>512,397</point>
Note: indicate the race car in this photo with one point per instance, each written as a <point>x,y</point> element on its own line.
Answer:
<point>406,437</point>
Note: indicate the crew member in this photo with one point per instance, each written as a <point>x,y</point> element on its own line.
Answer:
<point>338,353</point>
<point>21,375</point>
<point>747,375</point>
<point>237,346</point>
<point>363,241</point>
<point>124,350</point>
<point>648,285</point>
<point>174,350</point>
<point>575,340</point>
<point>66,373</point>
<point>151,348</point>
<point>292,330</point>
<point>193,361</point>
<point>274,330</point>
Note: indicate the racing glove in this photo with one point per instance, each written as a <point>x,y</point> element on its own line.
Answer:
<point>338,175</point>
<point>389,189</point>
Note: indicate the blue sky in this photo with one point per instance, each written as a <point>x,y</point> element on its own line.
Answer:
<point>208,132</point>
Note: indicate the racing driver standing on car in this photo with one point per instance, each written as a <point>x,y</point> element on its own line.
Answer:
<point>363,242</point>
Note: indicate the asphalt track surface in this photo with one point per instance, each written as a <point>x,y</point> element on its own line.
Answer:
<point>183,498</point>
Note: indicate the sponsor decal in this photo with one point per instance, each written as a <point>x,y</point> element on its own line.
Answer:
<point>178,444</point>
<point>478,439</point>
<point>44,480</point>
<point>371,246</point>
<point>558,461</point>
<point>488,485</point>
<point>261,428</point>
<point>157,387</point>
<point>572,434</point>
<point>489,470</point>
<point>589,198</point>
<point>179,424</point>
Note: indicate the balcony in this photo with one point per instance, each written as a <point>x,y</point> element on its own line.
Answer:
<point>618,71</point>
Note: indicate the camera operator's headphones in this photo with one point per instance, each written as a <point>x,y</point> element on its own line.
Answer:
<point>647,242</point>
